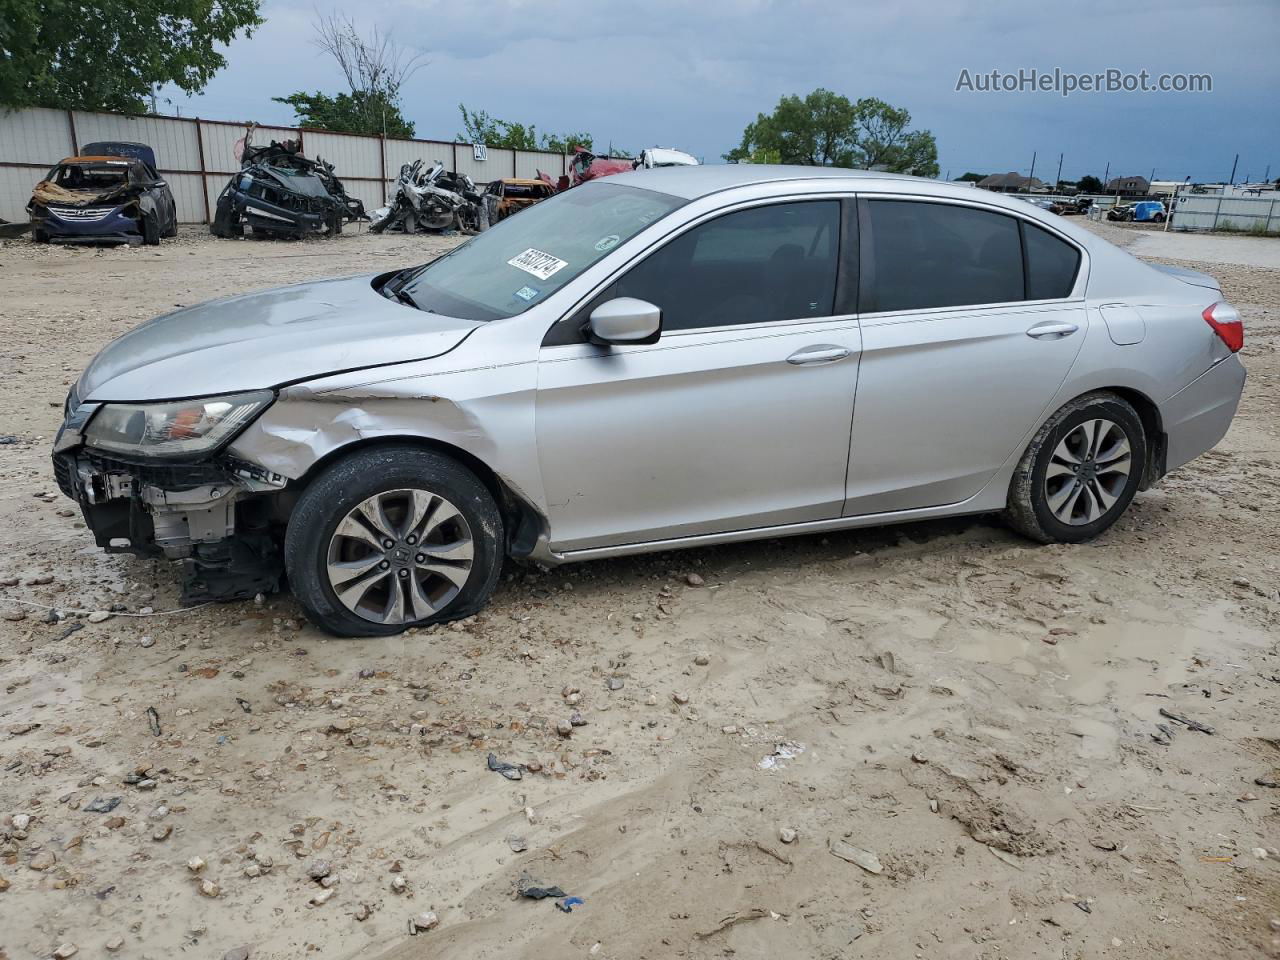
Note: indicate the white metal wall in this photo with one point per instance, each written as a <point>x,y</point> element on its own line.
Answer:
<point>173,140</point>
<point>31,141</point>
<point>1227,213</point>
<point>529,163</point>
<point>190,152</point>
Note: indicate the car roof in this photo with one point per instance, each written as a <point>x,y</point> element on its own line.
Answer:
<point>692,182</point>
<point>524,181</point>
<point>122,161</point>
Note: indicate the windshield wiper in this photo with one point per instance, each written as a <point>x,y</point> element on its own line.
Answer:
<point>404,296</point>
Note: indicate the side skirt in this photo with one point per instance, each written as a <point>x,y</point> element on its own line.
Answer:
<point>981,502</point>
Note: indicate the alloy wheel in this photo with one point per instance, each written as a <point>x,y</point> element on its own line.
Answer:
<point>400,556</point>
<point>1088,471</point>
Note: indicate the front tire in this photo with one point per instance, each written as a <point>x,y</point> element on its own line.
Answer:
<point>391,538</point>
<point>1080,472</point>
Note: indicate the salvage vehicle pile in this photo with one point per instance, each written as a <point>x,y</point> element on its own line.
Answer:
<point>281,192</point>
<point>432,200</point>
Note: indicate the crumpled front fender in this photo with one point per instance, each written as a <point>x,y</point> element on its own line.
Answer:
<point>487,413</point>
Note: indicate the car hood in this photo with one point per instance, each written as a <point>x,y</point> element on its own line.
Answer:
<point>266,339</point>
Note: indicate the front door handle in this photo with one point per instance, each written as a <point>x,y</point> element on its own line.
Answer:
<point>819,353</point>
<point>1052,330</point>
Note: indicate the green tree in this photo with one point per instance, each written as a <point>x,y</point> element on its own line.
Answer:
<point>970,178</point>
<point>1089,184</point>
<point>375,68</point>
<point>359,112</point>
<point>828,129</point>
<point>479,127</point>
<point>113,54</point>
<point>564,143</point>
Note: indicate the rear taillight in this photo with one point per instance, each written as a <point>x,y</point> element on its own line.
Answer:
<point>1226,323</point>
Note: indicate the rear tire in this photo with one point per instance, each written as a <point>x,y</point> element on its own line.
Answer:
<point>443,569</point>
<point>1080,471</point>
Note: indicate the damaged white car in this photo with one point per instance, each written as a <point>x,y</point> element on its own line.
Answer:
<point>661,359</point>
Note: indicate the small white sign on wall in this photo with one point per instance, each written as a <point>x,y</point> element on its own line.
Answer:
<point>481,151</point>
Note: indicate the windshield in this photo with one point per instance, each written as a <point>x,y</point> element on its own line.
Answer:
<point>523,260</point>
<point>86,177</point>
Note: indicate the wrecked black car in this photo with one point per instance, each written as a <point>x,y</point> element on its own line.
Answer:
<point>281,192</point>
<point>111,193</point>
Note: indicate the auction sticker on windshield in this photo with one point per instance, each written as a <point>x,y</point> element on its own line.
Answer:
<point>541,265</point>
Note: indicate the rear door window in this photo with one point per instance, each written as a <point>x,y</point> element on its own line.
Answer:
<point>927,255</point>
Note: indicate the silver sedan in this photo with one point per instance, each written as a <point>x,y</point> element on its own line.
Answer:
<point>663,359</point>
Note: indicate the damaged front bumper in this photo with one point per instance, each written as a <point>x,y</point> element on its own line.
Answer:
<point>220,518</point>
<point>87,224</point>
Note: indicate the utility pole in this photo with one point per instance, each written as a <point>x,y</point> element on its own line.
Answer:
<point>1151,179</point>
<point>1266,177</point>
<point>1058,179</point>
<point>1233,169</point>
<point>1033,170</point>
<point>1106,176</point>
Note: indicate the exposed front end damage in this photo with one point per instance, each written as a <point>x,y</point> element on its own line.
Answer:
<point>221,519</point>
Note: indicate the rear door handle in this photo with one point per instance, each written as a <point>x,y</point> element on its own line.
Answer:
<point>818,353</point>
<point>1052,330</point>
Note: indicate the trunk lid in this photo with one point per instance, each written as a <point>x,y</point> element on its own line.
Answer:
<point>1193,277</point>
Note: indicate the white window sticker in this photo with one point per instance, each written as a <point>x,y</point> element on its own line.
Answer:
<point>541,265</point>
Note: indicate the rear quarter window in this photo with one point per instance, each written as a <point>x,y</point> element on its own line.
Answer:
<point>1052,264</point>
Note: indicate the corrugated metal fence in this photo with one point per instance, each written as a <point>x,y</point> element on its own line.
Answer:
<point>197,157</point>
<point>1227,213</point>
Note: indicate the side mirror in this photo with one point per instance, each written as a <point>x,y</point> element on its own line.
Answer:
<point>624,320</point>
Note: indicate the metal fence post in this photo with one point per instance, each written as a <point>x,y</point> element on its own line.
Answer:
<point>75,141</point>
<point>382,165</point>
<point>204,174</point>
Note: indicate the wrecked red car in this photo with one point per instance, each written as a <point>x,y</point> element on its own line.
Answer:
<point>585,165</point>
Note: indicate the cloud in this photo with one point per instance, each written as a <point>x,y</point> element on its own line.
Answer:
<point>692,75</point>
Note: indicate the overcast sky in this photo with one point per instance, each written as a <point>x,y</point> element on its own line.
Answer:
<point>693,74</point>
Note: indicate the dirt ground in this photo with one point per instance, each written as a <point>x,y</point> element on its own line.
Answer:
<point>975,714</point>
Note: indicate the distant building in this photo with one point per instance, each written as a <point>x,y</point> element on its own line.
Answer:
<point>1011,183</point>
<point>1133,185</point>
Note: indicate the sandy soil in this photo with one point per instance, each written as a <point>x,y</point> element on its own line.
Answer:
<point>972,712</point>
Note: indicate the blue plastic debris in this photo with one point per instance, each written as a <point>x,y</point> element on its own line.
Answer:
<point>568,903</point>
